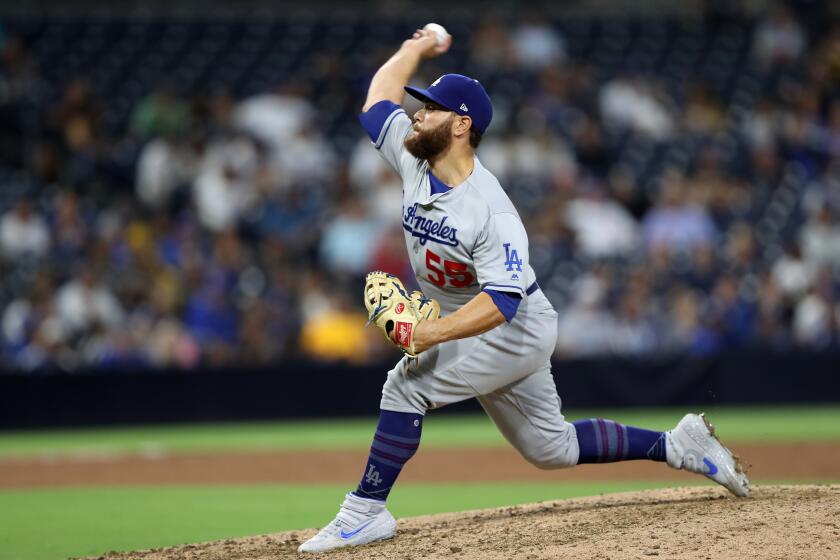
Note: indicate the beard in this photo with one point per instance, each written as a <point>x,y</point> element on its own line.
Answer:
<point>430,144</point>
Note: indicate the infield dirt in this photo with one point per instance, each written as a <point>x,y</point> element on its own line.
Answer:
<point>815,461</point>
<point>777,522</point>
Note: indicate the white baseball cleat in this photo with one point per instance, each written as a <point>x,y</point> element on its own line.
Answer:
<point>359,521</point>
<point>693,446</point>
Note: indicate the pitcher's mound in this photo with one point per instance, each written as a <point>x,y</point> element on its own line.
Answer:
<point>779,522</point>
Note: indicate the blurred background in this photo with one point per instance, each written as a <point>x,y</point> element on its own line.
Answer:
<point>194,190</point>
<point>188,207</point>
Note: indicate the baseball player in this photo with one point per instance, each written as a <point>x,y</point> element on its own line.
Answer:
<point>497,330</point>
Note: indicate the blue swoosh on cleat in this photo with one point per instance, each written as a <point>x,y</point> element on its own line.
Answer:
<point>712,468</point>
<point>351,533</point>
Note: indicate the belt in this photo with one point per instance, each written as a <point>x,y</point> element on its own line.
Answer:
<point>532,288</point>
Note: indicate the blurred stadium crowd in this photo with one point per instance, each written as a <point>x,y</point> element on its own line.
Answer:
<point>184,192</point>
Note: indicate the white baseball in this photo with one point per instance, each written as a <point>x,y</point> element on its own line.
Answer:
<point>438,30</point>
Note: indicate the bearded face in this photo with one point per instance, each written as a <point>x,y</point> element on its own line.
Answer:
<point>428,144</point>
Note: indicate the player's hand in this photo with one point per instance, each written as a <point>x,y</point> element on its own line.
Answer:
<point>396,313</point>
<point>425,43</point>
<point>424,336</point>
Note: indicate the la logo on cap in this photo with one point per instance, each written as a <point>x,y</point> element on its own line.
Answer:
<point>436,82</point>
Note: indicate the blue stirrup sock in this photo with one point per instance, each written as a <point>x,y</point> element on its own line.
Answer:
<point>605,441</point>
<point>396,440</point>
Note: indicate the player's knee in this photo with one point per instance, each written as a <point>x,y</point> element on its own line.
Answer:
<point>551,458</point>
<point>400,396</point>
<point>561,453</point>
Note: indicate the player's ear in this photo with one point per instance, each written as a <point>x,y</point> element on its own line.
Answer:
<point>462,125</point>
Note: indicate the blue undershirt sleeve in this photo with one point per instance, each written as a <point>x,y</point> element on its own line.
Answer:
<point>507,302</point>
<point>374,118</point>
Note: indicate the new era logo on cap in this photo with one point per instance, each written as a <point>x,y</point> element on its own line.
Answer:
<point>460,94</point>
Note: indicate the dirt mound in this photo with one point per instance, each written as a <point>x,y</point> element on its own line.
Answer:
<point>778,522</point>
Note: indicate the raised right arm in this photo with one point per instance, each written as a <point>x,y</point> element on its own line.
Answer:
<point>394,75</point>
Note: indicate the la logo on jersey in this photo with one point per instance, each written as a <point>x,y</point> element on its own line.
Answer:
<point>512,259</point>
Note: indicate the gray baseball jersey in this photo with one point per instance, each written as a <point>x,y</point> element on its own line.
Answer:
<point>461,241</point>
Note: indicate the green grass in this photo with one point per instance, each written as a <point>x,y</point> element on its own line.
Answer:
<point>48,524</point>
<point>56,523</point>
<point>770,424</point>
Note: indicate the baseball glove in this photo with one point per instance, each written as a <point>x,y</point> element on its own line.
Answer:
<point>394,311</point>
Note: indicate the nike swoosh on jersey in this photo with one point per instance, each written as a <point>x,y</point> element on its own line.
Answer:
<point>346,536</point>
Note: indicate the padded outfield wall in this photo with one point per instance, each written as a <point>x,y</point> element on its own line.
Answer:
<point>306,389</point>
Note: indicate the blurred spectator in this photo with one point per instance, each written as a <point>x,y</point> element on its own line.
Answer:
<point>633,332</point>
<point>820,239</point>
<point>23,316</point>
<point>69,229</point>
<point>389,254</point>
<point>761,127</point>
<point>224,189</point>
<point>537,155</point>
<point>23,232</point>
<point>490,44</point>
<point>211,318</point>
<point>772,312</point>
<point>85,302</point>
<point>18,74</point>
<point>170,345</point>
<point>703,113</point>
<point>675,222</point>
<point>703,268</point>
<point>374,180</point>
<point>161,113</point>
<point>816,321</point>
<point>19,87</point>
<point>639,105</point>
<point>585,328</point>
<point>792,274</point>
<point>166,168</point>
<point>686,331</point>
<point>732,317</point>
<point>274,118</point>
<point>285,123</point>
<point>337,333</point>
<point>77,113</point>
<point>740,249</point>
<point>120,347</point>
<point>349,239</point>
<point>536,44</point>
<point>778,38</point>
<point>603,228</point>
<point>271,322</point>
<point>289,214</point>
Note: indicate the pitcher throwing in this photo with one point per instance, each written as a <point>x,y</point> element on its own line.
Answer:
<point>497,330</point>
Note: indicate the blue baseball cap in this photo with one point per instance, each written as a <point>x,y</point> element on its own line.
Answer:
<point>461,94</point>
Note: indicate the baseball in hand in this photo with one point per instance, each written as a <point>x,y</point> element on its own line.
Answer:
<point>439,31</point>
